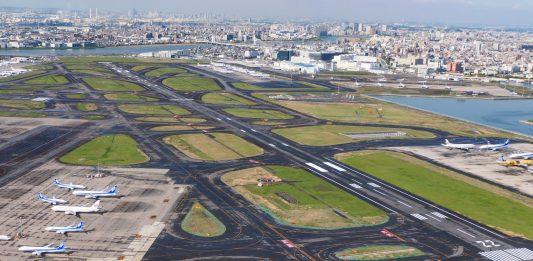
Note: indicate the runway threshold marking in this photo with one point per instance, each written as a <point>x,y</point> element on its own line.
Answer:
<point>374,185</point>
<point>466,233</point>
<point>437,214</point>
<point>500,255</point>
<point>314,166</point>
<point>418,216</point>
<point>334,166</point>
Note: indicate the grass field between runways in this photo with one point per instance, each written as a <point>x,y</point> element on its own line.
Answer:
<point>153,109</point>
<point>495,207</point>
<point>258,114</point>
<point>191,84</point>
<point>301,199</point>
<point>112,85</point>
<point>325,135</point>
<point>48,79</point>
<point>378,252</point>
<point>110,150</point>
<point>224,98</point>
<point>201,222</point>
<point>213,146</point>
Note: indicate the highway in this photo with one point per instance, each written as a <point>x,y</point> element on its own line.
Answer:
<point>364,186</point>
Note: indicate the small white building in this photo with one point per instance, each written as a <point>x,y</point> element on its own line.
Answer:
<point>353,62</point>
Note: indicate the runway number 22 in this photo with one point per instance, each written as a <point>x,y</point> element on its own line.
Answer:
<point>488,243</point>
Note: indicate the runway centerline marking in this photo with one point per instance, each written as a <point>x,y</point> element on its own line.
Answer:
<point>405,204</point>
<point>466,233</point>
<point>334,166</point>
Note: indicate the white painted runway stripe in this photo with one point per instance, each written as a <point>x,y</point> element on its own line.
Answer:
<point>379,192</point>
<point>334,166</point>
<point>405,204</point>
<point>432,217</point>
<point>355,186</point>
<point>437,214</point>
<point>500,255</point>
<point>418,216</point>
<point>522,253</point>
<point>314,166</point>
<point>374,185</point>
<point>466,233</point>
<point>243,130</point>
<point>285,144</point>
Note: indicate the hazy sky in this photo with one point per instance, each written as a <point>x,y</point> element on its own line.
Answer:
<point>505,12</point>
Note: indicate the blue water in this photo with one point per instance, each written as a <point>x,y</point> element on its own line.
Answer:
<point>503,114</point>
<point>119,50</point>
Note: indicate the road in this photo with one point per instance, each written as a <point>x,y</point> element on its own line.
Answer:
<point>364,186</point>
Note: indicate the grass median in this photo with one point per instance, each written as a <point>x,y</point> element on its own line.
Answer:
<point>200,222</point>
<point>258,114</point>
<point>299,198</point>
<point>191,84</point>
<point>224,98</point>
<point>153,109</point>
<point>213,146</point>
<point>326,135</point>
<point>490,205</point>
<point>107,150</point>
<point>112,85</point>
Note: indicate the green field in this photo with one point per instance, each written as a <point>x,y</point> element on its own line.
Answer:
<point>303,200</point>
<point>76,96</point>
<point>103,84</point>
<point>373,111</point>
<point>200,222</point>
<point>179,128</point>
<point>502,210</point>
<point>20,76</point>
<point>21,104</point>
<point>326,135</point>
<point>153,109</point>
<point>224,98</point>
<point>297,86</point>
<point>26,114</point>
<point>94,117</point>
<point>258,114</point>
<point>48,79</point>
<point>163,71</point>
<point>171,119</point>
<point>126,96</point>
<point>191,84</point>
<point>213,146</point>
<point>108,150</point>
<point>86,106</point>
<point>140,67</point>
<point>378,252</point>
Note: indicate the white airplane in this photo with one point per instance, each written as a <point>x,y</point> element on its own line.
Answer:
<point>39,251</point>
<point>521,155</point>
<point>53,200</point>
<point>424,86</point>
<point>112,192</point>
<point>460,146</point>
<point>65,230</point>
<point>400,83</point>
<point>495,147</point>
<point>67,186</point>
<point>75,210</point>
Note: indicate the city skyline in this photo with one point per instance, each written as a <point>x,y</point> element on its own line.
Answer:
<point>448,12</point>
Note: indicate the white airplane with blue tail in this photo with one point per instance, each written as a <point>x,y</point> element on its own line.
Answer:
<point>68,229</point>
<point>39,251</point>
<point>53,200</point>
<point>69,186</point>
<point>495,147</point>
<point>112,192</point>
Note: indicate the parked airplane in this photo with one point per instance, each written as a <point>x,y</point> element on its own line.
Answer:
<point>65,230</point>
<point>112,192</point>
<point>67,186</point>
<point>495,147</point>
<point>460,146</point>
<point>75,210</point>
<point>39,251</point>
<point>400,83</point>
<point>53,200</point>
<point>515,163</point>
<point>521,155</point>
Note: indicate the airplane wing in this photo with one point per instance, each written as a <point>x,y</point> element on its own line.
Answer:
<point>37,253</point>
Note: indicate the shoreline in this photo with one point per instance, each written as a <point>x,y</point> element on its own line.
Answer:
<point>455,118</point>
<point>527,122</point>
<point>457,97</point>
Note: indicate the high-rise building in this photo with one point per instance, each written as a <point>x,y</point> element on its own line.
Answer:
<point>360,27</point>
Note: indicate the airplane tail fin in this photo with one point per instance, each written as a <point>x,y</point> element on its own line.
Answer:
<point>61,246</point>
<point>56,181</point>
<point>40,196</point>
<point>80,225</point>
<point>112,189</point>
<point>96,204</point>
<point>502,158</point>
<point>507,142</point>
<point>446,141</point>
